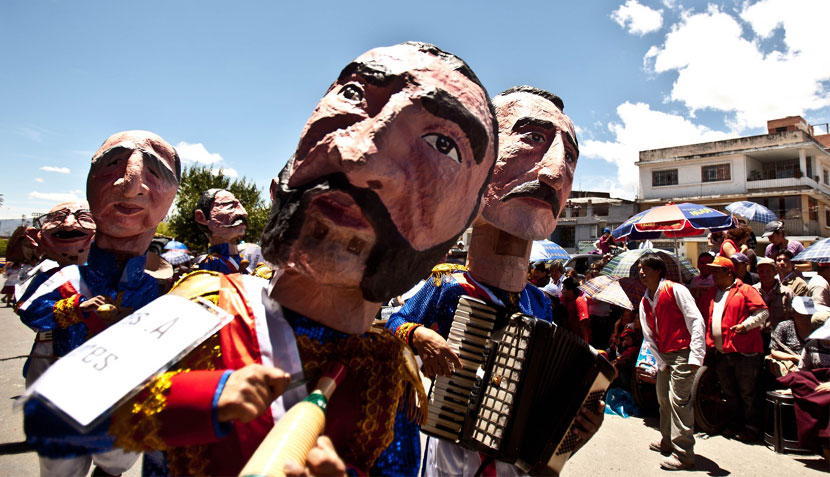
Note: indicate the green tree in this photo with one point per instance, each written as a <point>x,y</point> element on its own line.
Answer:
<point>196,180</point>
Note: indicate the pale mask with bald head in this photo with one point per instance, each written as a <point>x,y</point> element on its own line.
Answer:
<point>131,184</point>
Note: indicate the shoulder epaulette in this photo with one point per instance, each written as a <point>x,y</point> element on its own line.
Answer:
<point>443,270</point>
<point>197,283</point>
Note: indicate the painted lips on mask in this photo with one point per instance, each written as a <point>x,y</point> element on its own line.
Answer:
<point>69,235</point>
<point>392,266</point>
<point>536,190</point>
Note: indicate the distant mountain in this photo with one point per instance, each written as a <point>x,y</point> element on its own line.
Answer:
<point>7,226</point>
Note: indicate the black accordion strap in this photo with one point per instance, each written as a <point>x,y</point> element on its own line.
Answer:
<point>487,461</point>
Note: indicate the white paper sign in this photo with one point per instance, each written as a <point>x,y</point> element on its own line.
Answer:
<point>113,366</point>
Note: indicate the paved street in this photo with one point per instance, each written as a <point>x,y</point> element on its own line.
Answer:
<point>620,447</point>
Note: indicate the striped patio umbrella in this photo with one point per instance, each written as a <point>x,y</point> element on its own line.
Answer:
<point>674,220</point>
<point>611,290</point>
<point>545,251</point>
<point>678,269</point>
<point>752,211</point>
<point>819,252</point>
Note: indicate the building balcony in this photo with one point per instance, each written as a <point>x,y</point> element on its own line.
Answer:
<point>789,182</point>
<point>793,227</point>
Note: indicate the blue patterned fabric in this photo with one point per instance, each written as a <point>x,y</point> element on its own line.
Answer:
<point>219,259</point>
<point>36,282</point>
<point>434,307</point>
<point>126,284</point>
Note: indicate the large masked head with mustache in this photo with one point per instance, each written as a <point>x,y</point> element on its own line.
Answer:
<point>66,232</point>
<point>221,217</point>
<point>388,173</point>
<point>538,151</point>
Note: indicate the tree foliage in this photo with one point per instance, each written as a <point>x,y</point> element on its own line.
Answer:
<point>196,180</point>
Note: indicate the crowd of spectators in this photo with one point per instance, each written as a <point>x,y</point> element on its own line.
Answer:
<point>759,312</point>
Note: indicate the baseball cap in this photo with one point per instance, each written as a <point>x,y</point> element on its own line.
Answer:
<point>740,258</point>
<point>765,261</point>
<point>552,289</point>
<point>805,305</point>
<point>772,227</point>
<point>723,262</point>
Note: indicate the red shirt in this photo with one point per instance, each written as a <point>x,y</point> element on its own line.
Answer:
<point>742,301</point>
<point>577,314</point>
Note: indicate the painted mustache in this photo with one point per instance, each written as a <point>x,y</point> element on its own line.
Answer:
<point>237,221</point>
<point>536,190</point>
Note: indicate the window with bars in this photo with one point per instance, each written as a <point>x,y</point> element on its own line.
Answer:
<point>715,173</point>
<point>664,177</point>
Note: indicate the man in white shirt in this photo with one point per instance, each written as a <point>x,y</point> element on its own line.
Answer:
<point>674,330</point>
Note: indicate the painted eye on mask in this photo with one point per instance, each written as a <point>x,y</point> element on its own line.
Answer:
<point>444,145</point>
<point>352,92</point>
<point>536,137</point>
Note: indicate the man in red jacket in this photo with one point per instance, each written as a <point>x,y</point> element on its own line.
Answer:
<point>734,314</point>
<point>674,331</point>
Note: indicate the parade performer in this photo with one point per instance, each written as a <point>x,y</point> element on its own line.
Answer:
<point>388,173</point>
<point>223,220</point>
<point>538,152</point>
<point>131,184</point>
<point>64,236</point>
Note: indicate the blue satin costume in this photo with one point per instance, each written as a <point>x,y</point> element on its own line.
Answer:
<point>219,259</point>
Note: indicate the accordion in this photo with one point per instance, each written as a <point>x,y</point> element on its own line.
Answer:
<point>523,382</point>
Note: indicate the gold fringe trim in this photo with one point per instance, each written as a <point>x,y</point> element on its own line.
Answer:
<point>442,272</point>
<point>65,312</point>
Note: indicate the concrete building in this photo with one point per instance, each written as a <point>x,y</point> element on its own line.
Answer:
<point>786,170</point>
<point>586,214</point>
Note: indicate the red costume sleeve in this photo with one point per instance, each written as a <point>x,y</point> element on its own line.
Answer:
<point>188,417</point>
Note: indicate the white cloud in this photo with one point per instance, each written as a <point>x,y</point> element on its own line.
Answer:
<point>39,179</point>
<point>59,170</point>
<point>640,128</point>
<point>55,196</point>
<point>197,153</point>
<point>719,68</point>
<point>227,171</point>
<point>637,18</point>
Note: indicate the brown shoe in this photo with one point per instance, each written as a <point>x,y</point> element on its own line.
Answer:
<point>673,463</point>
<point>661,447</point>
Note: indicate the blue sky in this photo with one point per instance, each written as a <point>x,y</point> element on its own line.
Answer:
<point>231,84</point>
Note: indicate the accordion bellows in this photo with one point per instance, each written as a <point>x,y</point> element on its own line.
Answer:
<point>523,382</point>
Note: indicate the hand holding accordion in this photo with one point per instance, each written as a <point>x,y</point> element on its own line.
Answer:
<point>523,383</point>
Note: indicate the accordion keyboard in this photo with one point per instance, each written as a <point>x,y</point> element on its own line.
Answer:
<point>450,395</point>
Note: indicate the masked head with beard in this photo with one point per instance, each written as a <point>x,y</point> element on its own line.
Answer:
<point>388,173</point>
<point>220,216</point>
